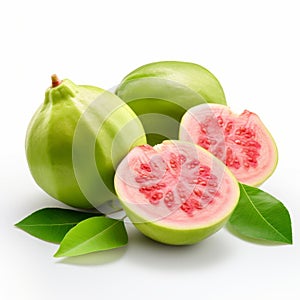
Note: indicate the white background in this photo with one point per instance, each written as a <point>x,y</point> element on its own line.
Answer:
<point>253,49</point>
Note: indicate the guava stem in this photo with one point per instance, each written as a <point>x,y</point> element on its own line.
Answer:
<point>55,80</point>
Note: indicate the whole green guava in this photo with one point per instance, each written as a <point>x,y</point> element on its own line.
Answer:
<point>76,139</point>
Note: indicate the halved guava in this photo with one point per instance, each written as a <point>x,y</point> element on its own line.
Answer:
<point>242,141</point>
<point>176,192</point>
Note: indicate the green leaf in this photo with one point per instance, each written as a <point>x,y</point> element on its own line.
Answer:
<point>52,224</point>
<point>93,234</point>
<point>259,215</point>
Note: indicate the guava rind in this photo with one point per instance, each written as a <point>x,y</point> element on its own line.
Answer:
<point>168,88</point>
<point>70,140</point>
<point>173,236</point>
<point>164,228</point>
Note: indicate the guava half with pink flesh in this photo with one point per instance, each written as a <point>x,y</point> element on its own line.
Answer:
<point>242,141</point>
<point>176,192</point>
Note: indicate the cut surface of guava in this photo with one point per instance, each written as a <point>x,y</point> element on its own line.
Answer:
<point>242,141</point>
<point>176,192</point>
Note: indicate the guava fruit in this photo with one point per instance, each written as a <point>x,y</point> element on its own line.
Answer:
<point>76,139</point>
<point>242,141</point>
<point>176,192</point>
<point>161,92</point>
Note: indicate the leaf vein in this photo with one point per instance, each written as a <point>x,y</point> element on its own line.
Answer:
<point>46,225</point>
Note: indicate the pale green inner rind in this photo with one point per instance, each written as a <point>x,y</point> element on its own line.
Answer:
<point>173,235</point>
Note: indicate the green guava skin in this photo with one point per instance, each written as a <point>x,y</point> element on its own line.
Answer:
<point>174,236</point>
<point>50,149</point>
<point>168,88</point>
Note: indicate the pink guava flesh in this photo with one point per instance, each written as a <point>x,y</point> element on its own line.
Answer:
<point>242,141</point>
<point>173,188</point>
